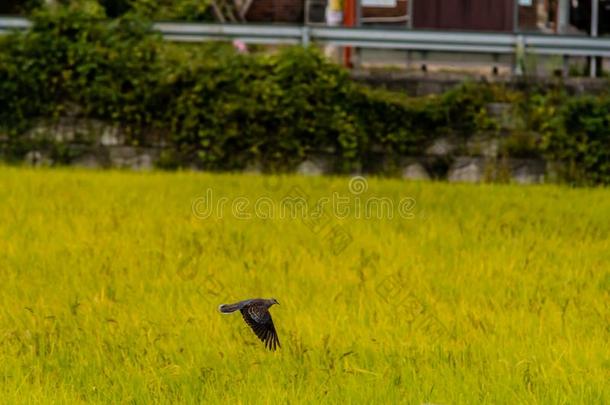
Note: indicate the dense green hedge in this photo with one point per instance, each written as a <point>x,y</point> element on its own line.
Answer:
<point>212,104</point>
<point>579,135</point>
<point>72,62</point>
<point>226,110</point>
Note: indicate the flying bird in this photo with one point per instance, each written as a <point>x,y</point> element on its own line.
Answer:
<point>256,314</point>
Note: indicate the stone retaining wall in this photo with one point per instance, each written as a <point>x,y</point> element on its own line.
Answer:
<point>95,144</point>
<point>469,169</point>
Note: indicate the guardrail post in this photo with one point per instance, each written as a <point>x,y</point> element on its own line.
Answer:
<point>519,56</point>
<point>305,36</point>
<point>594,25</point>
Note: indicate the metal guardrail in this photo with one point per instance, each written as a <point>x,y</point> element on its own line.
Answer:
<point>8,24</point>
<point>475,42</point>
<point>402,39</point>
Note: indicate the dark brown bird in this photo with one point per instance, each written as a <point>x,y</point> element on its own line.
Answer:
<point>256,314</point>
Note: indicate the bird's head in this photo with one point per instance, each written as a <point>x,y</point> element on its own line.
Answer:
<point>273,301</point>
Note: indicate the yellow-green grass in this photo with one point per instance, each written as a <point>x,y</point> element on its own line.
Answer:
<point>489,294</point>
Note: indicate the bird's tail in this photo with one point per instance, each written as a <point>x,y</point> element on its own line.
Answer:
<point>228,308</point>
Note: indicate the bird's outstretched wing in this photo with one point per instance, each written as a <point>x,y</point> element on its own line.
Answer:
<point>259,319</point>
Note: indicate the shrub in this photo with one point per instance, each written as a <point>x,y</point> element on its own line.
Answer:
<point>465,108</point>
<point>73,62</point>
<point>581,140</point>
<point>232,110</point>
<point>397,123</point>
<point>19,6</point>
<point>236,109</point>
<point>222,109</point>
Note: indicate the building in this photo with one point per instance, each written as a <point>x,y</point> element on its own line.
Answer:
<point>549,16</point>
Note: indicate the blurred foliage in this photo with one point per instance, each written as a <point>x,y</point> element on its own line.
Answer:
<point>73,62</point>
<point>19,6</point>
<point>579,136</point>
<point>189,10</point>
<point>234,109</point>
<point>224,110</point>
<point>217,107</point>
